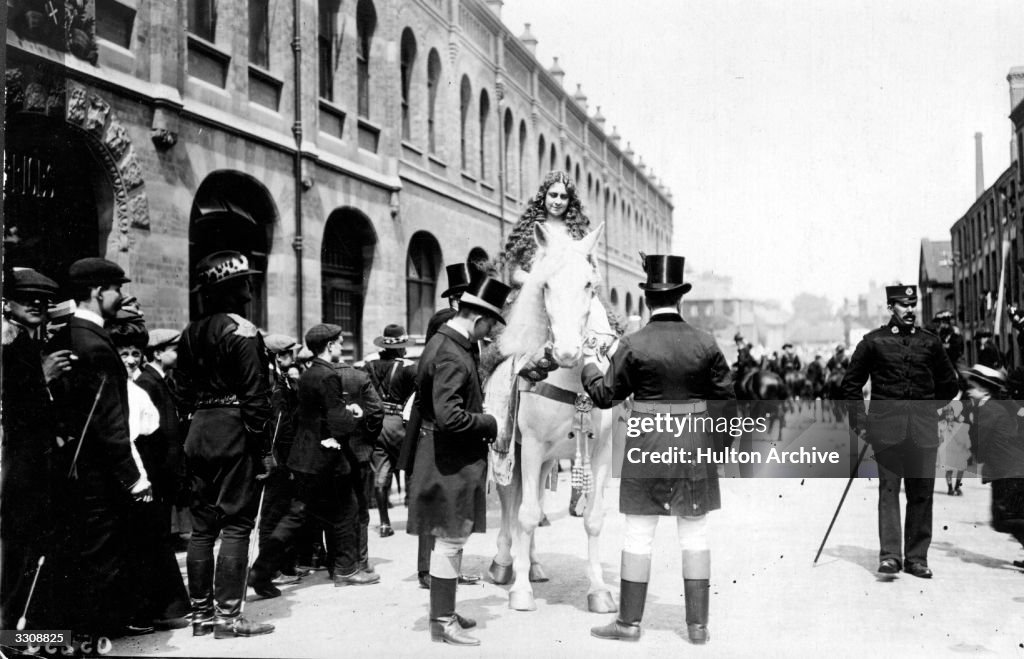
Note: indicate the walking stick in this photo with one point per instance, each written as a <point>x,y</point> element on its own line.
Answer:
<point>73,471</point>
<point>254,536</point>
<point>853,474</point>
<point>31,591</point>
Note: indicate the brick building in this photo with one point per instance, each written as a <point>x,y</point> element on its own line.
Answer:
<point>988,236</point>
<point>350,148</point>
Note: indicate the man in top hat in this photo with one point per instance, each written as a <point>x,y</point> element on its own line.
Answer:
<point>911,380</point>
<point>91,406</point>
<point>669,367</point>
<point>447,492</point>
<point>394,378</point>
<point>324,468</point>
<point>26,506</point>
<point>223,375</point>
<point>949,333</point>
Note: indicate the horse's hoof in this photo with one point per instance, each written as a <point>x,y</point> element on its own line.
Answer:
<point>501,574</point>
<point>521,600</point>
<point>601,602</point>
<point>537,574</point>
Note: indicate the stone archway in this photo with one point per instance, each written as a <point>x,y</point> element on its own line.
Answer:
<point>41,91</point>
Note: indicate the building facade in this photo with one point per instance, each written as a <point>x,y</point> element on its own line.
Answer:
<point>935,278</point>
<point>987,245</point>
<point>351,148</point>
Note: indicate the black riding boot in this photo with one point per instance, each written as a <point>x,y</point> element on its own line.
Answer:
<point>444,625</point>
<point>200,594</point>
<point>229,590</point>
<point>635,573</point>
<point>382,508</point>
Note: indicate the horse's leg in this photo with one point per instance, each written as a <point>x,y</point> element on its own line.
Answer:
<point>520,596</point>
<point>509,496</point>
<point>537,574</point>
<point>599,597</point>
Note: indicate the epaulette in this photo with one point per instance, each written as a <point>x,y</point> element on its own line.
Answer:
<point>244,328</point>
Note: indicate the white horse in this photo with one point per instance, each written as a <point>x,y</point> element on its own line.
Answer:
<point>553,311</point>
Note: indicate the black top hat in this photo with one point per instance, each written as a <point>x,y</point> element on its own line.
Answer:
<point>221,266</point>
<point>21,282</point>
<point>95,271</point>
<point>664,273</point>
<point>394,337</point>
<point>990,378</point>
<point>902,293</point>
<point>487,295</point>
<point>787,345</point>
<point>458,279</point>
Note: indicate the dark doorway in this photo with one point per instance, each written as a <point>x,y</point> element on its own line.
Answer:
<point>346,257</point>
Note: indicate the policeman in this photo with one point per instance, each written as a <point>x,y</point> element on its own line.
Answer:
<point>223,374</point>
<point>911,379</point>
<point>447,493</point>
<point>669,367</point>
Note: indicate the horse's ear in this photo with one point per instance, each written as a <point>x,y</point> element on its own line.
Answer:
<point>590,241</point>
<point>541,235</point>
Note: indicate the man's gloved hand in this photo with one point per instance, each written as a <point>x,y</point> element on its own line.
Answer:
<point>269,465</point>
<point>330,443</point>
<point>356,411</point>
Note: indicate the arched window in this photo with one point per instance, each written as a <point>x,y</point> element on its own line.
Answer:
<point>232,210</point>
<point>509,122</point>
<point>522,159</point>
<point>346,258</point>
<point>568,165</point>
<point>577,178</point>
<point>629,304</point>
<point>554,157</point>
<point>366,23</point>
<point>614,297</point>
<point>465,97</point>
<point>433,77</point>
<point>408,60</point>
<point>421,268</point>
<point>485,112</point>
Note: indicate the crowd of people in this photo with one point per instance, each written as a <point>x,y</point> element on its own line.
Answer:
<point>112,429</point>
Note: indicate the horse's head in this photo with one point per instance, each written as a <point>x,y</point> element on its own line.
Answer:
<point>567,273</point>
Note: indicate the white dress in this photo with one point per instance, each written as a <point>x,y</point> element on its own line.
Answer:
<point>955,449</point>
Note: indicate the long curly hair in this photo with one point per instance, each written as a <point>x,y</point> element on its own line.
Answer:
<point>520,247</point>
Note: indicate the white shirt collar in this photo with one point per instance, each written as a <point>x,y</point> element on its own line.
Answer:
<point>665,310</point>
<point>458,329</point>
<point>89,315</point>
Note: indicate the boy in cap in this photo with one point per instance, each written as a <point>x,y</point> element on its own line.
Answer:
<point>322,462</point>
<point>447,492</point>
<point>26,506</point>
<point>223,377</point>
<point>91,404</point>
<point>911,379</point>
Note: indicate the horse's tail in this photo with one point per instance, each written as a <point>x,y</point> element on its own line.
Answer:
<point>498,390</point>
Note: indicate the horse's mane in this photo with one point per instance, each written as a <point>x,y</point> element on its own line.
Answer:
<point>527,329</point>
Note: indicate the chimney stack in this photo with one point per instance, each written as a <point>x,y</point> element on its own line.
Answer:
<point>529,40</point>
<point>557,72</point>
<point>495,6</point>
<point>979,168</point>
<point>1016,80</point>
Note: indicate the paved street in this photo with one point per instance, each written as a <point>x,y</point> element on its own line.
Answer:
<point>766,596</point>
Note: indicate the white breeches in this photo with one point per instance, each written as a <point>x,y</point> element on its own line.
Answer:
<point>692,533</point>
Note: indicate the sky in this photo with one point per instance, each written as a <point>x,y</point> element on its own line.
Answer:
<point>809,144</point>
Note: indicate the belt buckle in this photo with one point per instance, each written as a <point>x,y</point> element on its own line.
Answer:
<point>583,403</point>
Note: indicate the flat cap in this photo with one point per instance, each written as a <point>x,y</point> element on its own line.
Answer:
<point>28,281</point>
<point>160,338</point>
<point>322,333</point>
<point>278,343</point>
<point>96,271</point>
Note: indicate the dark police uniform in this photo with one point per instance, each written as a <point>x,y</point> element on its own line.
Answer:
<point>789,363</point>
<point>911,379</point>
<point>223,376</point>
